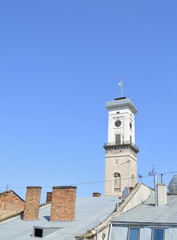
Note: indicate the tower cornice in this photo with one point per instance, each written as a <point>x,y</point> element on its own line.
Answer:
<point>121,102</point>
<point>114,146</point>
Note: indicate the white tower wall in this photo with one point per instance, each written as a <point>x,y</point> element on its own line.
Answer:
<point>121,152</point>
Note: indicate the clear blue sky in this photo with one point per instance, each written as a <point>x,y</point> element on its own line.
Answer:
<point>60,61</point>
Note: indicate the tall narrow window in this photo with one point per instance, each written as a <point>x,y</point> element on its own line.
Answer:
<point>130,139</point>
<point>117,182</point>
<point>158,234</point>
<point>133,180</point>
<point>133,234</point>
<point>118,139</point>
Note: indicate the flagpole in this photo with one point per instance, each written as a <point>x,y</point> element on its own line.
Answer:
<point>121,84</point>
<point>154,178</point>
<point>121,88</point>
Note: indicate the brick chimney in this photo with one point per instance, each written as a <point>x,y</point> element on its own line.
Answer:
<point>49,197</point>
<point>63,203</point>
<point>161,194</point>
<point>96,194</point>
<point>32,202</point>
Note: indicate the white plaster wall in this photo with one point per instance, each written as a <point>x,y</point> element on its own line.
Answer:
<point>145,233</point>
<point>119,233</point>
<point>171,234</point>
<point>125,115</point>
<point>104,231</point>
<point>140,196</point>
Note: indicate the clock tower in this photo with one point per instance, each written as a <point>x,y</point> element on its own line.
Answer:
<point>121,151</point>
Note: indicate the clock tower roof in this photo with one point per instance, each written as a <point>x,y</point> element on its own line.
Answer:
<point>121,102</point>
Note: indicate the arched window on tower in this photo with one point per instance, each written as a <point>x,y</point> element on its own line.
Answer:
<point>117,182</point>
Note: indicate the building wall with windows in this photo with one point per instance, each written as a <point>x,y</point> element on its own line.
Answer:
<point>143,233</point>
<point>147,221</point>
<point>139,194</point>
<point>120,162</point>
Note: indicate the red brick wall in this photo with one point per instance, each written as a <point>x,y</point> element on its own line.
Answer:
<point>63,204</point>
<point>33,195</point>
<point>10,204</point>
<point>49,197</point>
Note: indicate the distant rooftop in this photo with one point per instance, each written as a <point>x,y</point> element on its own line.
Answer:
<point>173,185</point>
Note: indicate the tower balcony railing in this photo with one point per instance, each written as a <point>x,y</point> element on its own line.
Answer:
<point>121,144</point>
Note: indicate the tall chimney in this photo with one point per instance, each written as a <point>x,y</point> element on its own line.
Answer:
<point>49,197</point>
<point>32,202</point>
<point>63,203</point>
<point>161,194</point>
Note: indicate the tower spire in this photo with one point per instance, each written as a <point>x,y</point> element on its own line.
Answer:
<point>121,84</point>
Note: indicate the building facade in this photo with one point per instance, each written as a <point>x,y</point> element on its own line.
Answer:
<point>153,219</point>
<point>121,151</point>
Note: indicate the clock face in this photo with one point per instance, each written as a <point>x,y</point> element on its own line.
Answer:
<point>130,125</point>
<point>118,123</point>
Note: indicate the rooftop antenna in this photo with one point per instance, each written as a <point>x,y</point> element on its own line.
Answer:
<point>121,84</point>
<point>7,187</point>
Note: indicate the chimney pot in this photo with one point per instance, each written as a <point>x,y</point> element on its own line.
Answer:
<point>32,202</point>
<point>63,203</point>
<point>96,194</point>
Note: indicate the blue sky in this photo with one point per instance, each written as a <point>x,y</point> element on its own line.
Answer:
<point>60,61</point>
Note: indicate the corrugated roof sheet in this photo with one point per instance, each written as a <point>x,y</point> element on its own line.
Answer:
<point>86,214</point>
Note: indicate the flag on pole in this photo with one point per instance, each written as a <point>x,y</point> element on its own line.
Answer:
<point>120,84</point>
<point>151,173</point>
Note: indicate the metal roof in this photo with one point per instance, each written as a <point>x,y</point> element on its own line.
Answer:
<point>146,213</point>
<point>86,213</point>
<point>121,103</point>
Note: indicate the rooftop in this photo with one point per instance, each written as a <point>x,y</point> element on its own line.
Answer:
<point>121,102</point>
<point>86,213</point>
<point>147,214</point>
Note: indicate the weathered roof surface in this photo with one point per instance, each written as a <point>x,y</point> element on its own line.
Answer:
<point>147,213</point>
<point>86,214</point>
<point>121,103</point>
<point>173,185</point>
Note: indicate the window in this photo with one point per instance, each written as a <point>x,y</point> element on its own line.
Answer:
<point>117,182</point>
<point>118,139</point>
<point>133,234</point>
<point>158,234</point>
